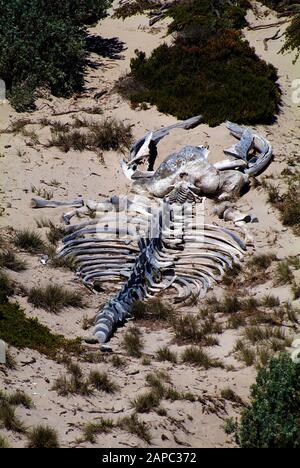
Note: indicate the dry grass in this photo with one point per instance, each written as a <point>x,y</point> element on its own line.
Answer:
<point>54,298</point>
<point>92,430</point>
<point>44,437</point>
<point>134,426</point>
<point>284,274</point>
<point>8,418</point>
<point>75,384</point>
<point>196,356</point>
<point>42,192</point>
<point>4,443</point>
<point>152,310</point>
<point>29,241</point>
<point>146,402</point>
<point>109,134</point>
<point>165,354</point>
<point>229,395</point>
<point>190,329</point>
<point>132,342</point>
<point>9,260</point>
<point>20,398</point>
<point>101,381</point>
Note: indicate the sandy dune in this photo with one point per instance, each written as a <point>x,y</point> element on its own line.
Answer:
<point>24,165</point>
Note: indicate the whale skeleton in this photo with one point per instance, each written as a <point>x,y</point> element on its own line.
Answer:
<point>158,241</point>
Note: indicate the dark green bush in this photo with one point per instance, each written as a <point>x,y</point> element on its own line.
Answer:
<point>208,15</point>
<point>273,417</point>
<point>220,78</point>
<point>22,332</point>
<point>43,42</point>
<point>293,36</point>
<point>209,69</point>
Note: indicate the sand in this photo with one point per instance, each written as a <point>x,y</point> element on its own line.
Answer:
<point>24,165</point>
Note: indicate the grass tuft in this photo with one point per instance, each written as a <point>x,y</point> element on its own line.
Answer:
<point>132,342</point>
<point>134,426</point>
<point>196,356</point>
<point>54,298</point>
<point>102,382</point>
<point>29,241</point>
<point>43,437</point>
<point>9,260</point>
<point>92,430</point>
<point>165,354</point>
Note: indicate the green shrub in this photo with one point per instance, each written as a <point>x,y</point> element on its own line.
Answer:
<point>293,36</point>
<point>22,332</point>
<point>209,69</point>
<point>43,42</point>
<point>273,417</point>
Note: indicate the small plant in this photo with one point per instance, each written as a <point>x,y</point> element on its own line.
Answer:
<point>236,321</point>
<point>134,426</point>
<point>54,298</point>
<point>43,437</point>
<point>11,362</point>
<point>263,261</point>
<point>19,398</point>
<point>9,419</point>
<point>231,426</point>
<point>146,402</point>
<point>146,361</point>
<point>42,192</point>
<point>245,353</point>
<point>7,287</point>
<point>272,419</point>
<point>102,382</point>
<point>284,274</point>
<point>76,384</point>
<point>229,395</point>
<point>152,310</point>
<point>3,443</point>
<point>117,361</point>
<point>190,329</point>
<point>29,241</point>
<point>109,134</point>
<point>9,260</point>
<point>270,301</point>
<point>133,343</point>
<point>91,430</point>
<point>55,234</point>
<point>296,291</point>
<point>165,354</point>
<point>196,356</point>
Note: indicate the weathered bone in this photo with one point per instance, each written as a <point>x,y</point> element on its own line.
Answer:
<point>163,247</point>
<point>42,203</point>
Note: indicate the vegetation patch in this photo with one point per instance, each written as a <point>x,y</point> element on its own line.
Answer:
<point>43,43</point>
<point>29,241</point>
<point>110,134</point>
<point>132,342</point>
<point>43,437</point>
<point>9,260</point>
<point>196,356</point>
<point>22,332</point>
<point>54,298</point>
<point>209,70</point>
<point>273,417</point>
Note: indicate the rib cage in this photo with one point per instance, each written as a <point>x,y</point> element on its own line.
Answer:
<point>162,248</point>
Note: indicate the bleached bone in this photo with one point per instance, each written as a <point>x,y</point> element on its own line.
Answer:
<point>149,249</point>
<point>42,203</point>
